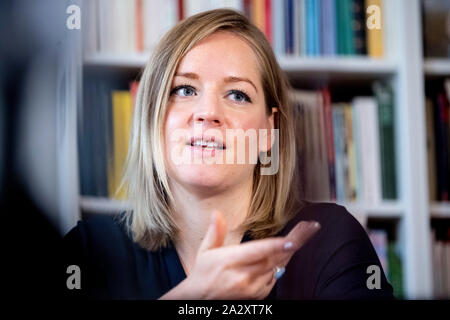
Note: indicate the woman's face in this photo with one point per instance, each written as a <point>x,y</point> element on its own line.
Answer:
<point>215,91</point>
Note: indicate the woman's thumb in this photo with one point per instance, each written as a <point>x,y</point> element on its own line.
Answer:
<point>215,235</point>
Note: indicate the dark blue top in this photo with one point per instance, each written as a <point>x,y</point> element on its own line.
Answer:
<point>331,265</point>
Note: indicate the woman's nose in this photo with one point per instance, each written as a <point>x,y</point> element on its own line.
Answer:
<point>209,111</point>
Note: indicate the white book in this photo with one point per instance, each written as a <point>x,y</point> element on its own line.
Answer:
<point>192,7</point>
<point>104,30</point>
<point>370,149</point>
<point>389,15</point>
<point>230,4</point>
<point>158,17</point>
<point>117,26</point>
<point>131,24</point>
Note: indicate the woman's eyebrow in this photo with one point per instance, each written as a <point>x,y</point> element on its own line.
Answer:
<point>194,76</point>
<point>239,79</point>
<point>189,75</point>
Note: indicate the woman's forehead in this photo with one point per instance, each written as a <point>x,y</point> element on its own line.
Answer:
<point>218,54</point>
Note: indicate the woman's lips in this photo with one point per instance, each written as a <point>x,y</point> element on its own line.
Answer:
<point>206,142</point>
<point>204,151</point>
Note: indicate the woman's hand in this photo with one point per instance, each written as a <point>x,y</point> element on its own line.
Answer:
<point>243,271</point>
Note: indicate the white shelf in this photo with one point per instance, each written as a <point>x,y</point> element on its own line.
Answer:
<point>339,65</point>
<point>437,67</point>
<point>385,209</point>
<point>102,205</point>
<point>440,209</point>
<point>118,60</point>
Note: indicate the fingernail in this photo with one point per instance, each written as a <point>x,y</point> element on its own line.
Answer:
<point>314,225</point>
<point>279,273</point>
<point>288,245</point>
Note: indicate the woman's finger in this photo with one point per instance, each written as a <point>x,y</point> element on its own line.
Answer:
<point>256,250</point>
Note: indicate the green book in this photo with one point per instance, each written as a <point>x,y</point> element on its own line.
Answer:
<point>386,125</point>
<point>395,274</point>
<point>344,20</point>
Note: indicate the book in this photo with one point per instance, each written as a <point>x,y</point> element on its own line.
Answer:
<point>328,123</point>
<point>277,27</point>
<point>366,110</point>
<point>268,29</point>
<point>431,151</point>
<point>312,27</point>
<point>258,14</point>
<point>339,149</point>
<point>344,19</point>
<point>351,193</point>
<point>359,27</point>
<point>357,154</point>
<point>374,28</point>
<point>289,27</point>
<point>158,17</point>
<point>328,30</point>
<point>122,108</point>
<point>313,147</point>
<point>441,123</point>
<point>436,28</point>
<point>395,272</point>
<point>386,118</point>
<point>379,239</point>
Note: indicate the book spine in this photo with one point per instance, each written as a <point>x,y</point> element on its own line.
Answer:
<point>348,35</point>
<point>288,12</point>
<point>431,150</point>
<point>374,31</point>
<point>359,27</point>
<point>180,10</point>
<point>309,7</point>
<point>278,21</point>
<point>443,168</point>
<point>258,14</point>
<point>328,30</point>
<point>357,154</point>
<point>350,153</point>
<point>328,119</point>
<point>386,120</point>
<point>339,146</point>
<point>139,25</point>
<point>268,20</point>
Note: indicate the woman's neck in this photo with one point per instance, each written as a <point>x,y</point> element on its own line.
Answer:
<point>193,212</point>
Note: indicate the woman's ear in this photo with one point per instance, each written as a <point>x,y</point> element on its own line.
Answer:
<point>266,138</point>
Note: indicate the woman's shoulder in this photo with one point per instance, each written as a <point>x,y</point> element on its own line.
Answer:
<point>99,233</point>
<point>331,216</point>
<point>337,225</point>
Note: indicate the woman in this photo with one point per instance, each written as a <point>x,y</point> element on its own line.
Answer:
<point>210,175</point>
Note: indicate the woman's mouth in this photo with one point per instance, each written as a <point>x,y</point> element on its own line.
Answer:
<point>205,146</point>
<point>207,143</point>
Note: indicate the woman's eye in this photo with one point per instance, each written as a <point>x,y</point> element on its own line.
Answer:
<point>183,91</point>
<point>239,96</point>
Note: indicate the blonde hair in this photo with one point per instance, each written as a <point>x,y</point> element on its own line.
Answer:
<point>150,220</point>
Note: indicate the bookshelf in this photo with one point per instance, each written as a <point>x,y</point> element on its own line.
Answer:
<point>406,70</point>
